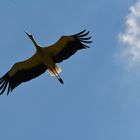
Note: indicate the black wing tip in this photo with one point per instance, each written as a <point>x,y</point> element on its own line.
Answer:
<point>9,89</point>
<point>81,36</point>
<point>78,34</point>
<point>4,81</point>
<point>3,85</point>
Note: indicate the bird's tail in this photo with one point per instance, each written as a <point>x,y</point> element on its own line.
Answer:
<point>55,72</point>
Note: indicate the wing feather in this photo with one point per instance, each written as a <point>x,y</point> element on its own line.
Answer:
<point>71,44</point>
<point>21,72</point>
<point>82,35</point>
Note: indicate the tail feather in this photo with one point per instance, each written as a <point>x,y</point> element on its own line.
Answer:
<point>55,72</point>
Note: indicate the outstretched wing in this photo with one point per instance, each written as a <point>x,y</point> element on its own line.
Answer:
<point>21,72</point>
<point>66,46</point>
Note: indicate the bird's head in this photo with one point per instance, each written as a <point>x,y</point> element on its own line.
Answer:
<point>32,38</point>
<point>29,35</point>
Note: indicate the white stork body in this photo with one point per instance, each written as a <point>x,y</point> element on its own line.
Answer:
<point>43,59</point>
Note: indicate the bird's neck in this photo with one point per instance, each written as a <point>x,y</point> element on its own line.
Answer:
<point>35,44</point>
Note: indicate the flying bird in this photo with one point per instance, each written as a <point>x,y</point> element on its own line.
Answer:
<point>45,58</point>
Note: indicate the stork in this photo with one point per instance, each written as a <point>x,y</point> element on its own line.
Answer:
<point>45,58</point>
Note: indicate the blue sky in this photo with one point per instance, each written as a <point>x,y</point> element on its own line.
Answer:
<point>100,98</point>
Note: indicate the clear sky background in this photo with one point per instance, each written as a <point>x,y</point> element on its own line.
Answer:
<point>100,99</point>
